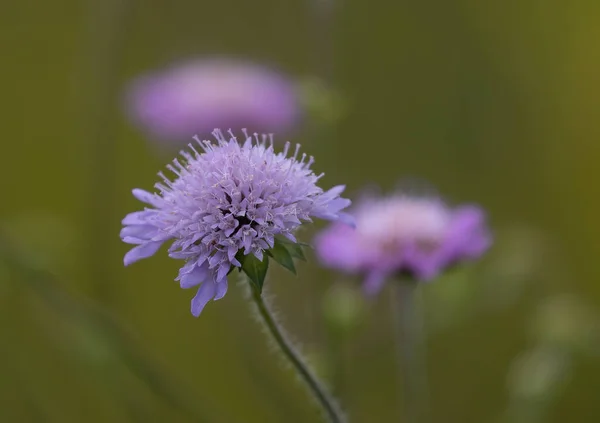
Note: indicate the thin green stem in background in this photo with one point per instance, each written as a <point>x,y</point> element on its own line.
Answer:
<point>323,14</point>
<point>410,348</point>
<point>333,413</point>
<point>103,51</point>
<point>336,363</point>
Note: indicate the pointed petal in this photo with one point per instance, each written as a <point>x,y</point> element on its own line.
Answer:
<point>221,289</point>
<point>205,293</point>
<point>335,191</point>
<point>193,278</point>
<point>144,196</point>
<point>141,252</point>
<point>231,252</point>
<point>187,268</point>
<point>338,204</point>
<point>223,271</point>
<point>133,240</point>
<point>139,231</point>
<point>347,219</point>
<point>137,218</point>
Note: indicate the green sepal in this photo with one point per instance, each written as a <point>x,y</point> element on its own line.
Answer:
<point>282,255</point>
<point>255,269</point>
<point>295,251</point>
<point>294,248</point>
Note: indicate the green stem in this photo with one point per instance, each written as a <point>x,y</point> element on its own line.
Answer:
<point>334,414</point>
<point>335,357</point>
<point>324,48</point>
<point>103,51</point>
<point>410,348</point>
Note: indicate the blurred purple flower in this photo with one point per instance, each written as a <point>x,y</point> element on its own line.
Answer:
<point>198,96</point>
<point>230,199</point>
<point>403,235</point>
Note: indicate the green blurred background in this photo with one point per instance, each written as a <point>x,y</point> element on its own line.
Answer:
<point>493,102</point>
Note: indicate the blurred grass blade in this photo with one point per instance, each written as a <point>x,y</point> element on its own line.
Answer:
<point>47,286</point>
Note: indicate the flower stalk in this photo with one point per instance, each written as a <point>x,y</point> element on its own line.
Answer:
<point>315,387</point>
<point>410,349</point>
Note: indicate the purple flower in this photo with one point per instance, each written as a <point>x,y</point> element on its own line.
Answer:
<point>226,202</point>
<point>197,96</point>
<point>403,235</point>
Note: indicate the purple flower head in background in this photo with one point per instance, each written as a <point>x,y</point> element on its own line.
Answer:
<point>198,96</point>
<point>226,202</point>
<point>401,234</point>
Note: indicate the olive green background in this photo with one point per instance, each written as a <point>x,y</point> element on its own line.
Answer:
<point>494,102</point>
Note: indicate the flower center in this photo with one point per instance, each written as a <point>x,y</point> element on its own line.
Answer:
<point>399,222</point>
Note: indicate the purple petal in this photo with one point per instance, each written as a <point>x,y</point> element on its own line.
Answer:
<point>335,191</point>
<point>468,236</point>
<point>144,196</point>
<point>468,219</point>
<point>328,204</point>
<point>141,252</point>
<point>339,247</point>
<point>139,231</point>
<point>193,278</point>
<point>205,293</point>
<point>221,289</point>
<point>187,268</point>
<point>134,240</point>
<point>338,204</point>
<point>223,270</point>
<point>137,218</point>
<point>374,282</point>
<point>424,266</point>
<point>347,219</point>
<point>231,252</point>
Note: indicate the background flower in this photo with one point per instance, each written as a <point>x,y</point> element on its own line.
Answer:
<point>197,96</point>
<point>399,234</point>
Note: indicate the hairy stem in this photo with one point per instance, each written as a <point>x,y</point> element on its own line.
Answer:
<point>333,413</point>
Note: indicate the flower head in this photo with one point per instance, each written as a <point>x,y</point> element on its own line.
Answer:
<point>404,235</point>
<point>227,202</point>
<point>197,96</point>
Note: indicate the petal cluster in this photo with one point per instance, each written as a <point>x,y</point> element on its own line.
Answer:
<point>404,235</point>
<point>227,199</point>
<point>197,96</point>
